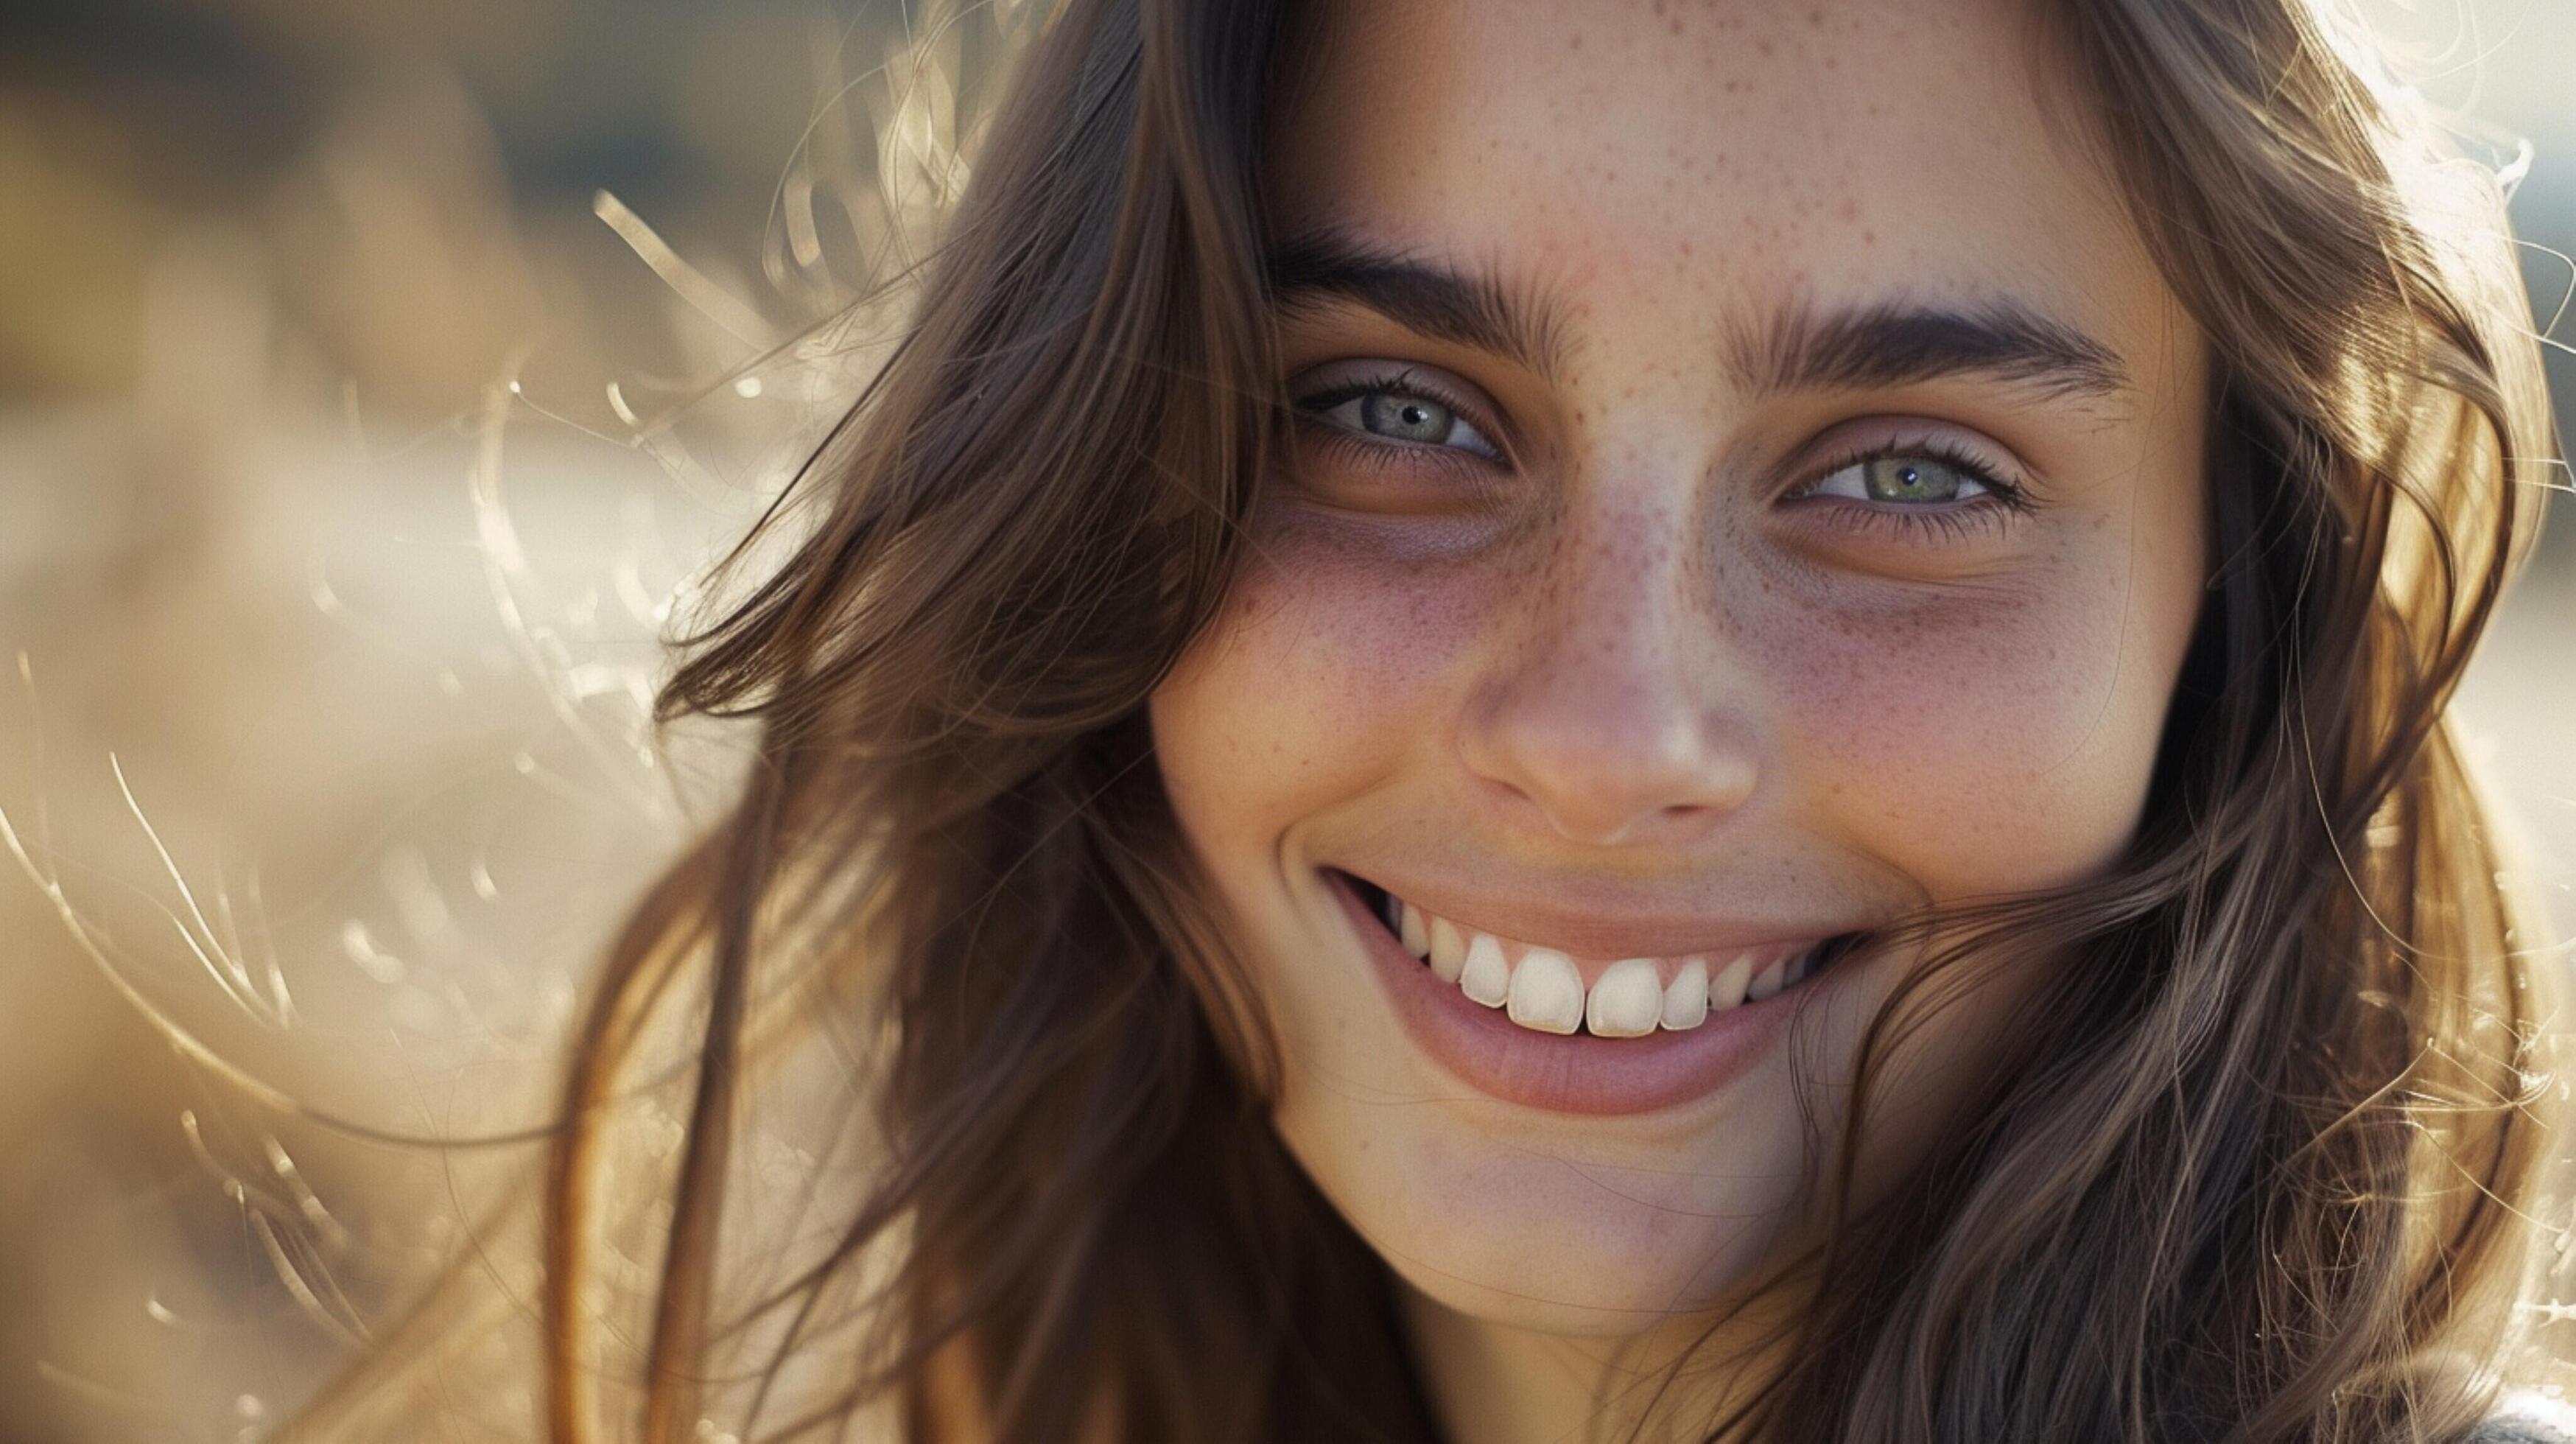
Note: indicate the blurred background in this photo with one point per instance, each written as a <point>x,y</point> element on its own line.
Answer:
<point>374,378</point>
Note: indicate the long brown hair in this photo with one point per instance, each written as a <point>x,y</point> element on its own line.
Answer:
<point>2257,1171</point>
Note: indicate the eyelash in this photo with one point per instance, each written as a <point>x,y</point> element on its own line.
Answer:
<point>1954,522</point>
<point>1311,408</point>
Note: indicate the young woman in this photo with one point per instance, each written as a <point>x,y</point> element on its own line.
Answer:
<point>1647,719</point>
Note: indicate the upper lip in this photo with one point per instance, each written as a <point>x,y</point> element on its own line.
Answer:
<point>1609,926</point>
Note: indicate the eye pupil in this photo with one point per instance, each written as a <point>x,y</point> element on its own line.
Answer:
<point>1889,479</point>
<point>1405,418</point>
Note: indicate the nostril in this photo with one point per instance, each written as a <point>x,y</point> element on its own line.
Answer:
<point>1600,778</point>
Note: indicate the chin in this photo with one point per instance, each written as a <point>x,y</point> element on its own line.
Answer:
<point>1555,1223</point>
<point>1614,1289</point>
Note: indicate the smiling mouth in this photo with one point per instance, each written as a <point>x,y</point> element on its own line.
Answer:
<point>1544,989</point>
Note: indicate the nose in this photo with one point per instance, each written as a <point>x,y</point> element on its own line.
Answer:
<point>1622,714</point>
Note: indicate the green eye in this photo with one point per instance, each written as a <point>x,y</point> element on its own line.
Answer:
<point>1393,411</point>
<point>1400,417</point>
<point>1922,479</point>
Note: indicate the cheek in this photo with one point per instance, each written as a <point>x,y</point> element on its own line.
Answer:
<point>1994,736</point>
<point>1311,686</point>
<point>1989,739</point>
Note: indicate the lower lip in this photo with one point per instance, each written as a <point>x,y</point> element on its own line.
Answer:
<point>1570,1072</point>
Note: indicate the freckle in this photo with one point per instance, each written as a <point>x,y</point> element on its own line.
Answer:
<point>1575,44</point>
<point>1869,238</point>
<point>1677,25</point>
<point>1763,47</point>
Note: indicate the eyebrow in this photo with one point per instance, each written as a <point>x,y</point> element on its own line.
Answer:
<point>1797,348</point>
<point>1896,344</point>
<point>1471,308</point>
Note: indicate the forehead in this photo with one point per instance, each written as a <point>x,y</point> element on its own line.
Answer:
<point>1695,157</point>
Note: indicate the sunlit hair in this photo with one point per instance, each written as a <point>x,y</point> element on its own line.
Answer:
<point>2258,1167</point>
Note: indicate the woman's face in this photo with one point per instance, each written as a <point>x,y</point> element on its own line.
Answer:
<point>1748,488</point>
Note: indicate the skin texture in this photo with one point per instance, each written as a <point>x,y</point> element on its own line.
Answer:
<point>1627,666</point>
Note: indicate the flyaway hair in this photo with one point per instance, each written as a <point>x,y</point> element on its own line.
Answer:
<point>2261,1165</point>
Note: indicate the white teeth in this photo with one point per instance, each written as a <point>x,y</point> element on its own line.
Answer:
<point>1448,950</point>
<point>1485,977</point>
<point>1727,988</point>
<point>1766,982</point>
<point>1627,1001</point>
<point>1686,1001</point>
<point>1546,992</point>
